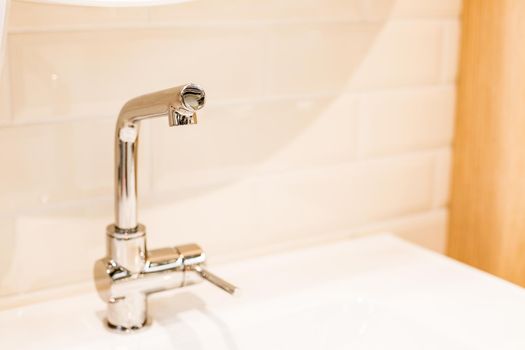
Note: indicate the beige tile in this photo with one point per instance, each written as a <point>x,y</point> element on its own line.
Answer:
<point>311,58</point>
<point>383,9</point>
<point>62,243</point>
<point>427,229</point>
<point>5,99</point>
<point>270,161</point>
<point>400,121</point>
<point>404,53</point>
<point>328,134</point>
<point>51,163</point>
<point>309,204</point>
<point>427,8</point>
<point>233,10</point>
<point>7,251</point>
<point>78,75</point>
<point>234,141</point>
<point>26,15</point>
<point>443,168</point>
<point>450,54</point>
<point>222,218</point>
<point>221,148</point>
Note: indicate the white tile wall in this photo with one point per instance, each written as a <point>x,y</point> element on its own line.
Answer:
<point>404,53</point>
<point>325,119</point>
<point>306,203</point>
<point>378,9</point>
<point>49,163</point>
<point>387,120</point>
<point>5,102</point>
<point>442,174</point>
<point>450,52</point>
<point>255,137</point>
<point>427,229</point>
<point>25,16</point>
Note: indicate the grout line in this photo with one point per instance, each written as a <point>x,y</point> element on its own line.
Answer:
<point>65,204</point>
<point>255,100</point>
<point>356,133</point>
<point>443,51</point>
<point>434,180</point>
<point>181,24</point>
<point>14,300</point>
<point>447,50</point>
<point>226,24</point>
<point>440,157</point>
<point>400,154</point>
<point>23,123</point>
<point>337,92</point>
<point>151,160</point>
<point>5,70</point>
<point>359,117</point>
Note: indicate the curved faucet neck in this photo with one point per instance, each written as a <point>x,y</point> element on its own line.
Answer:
<point>179,105</point>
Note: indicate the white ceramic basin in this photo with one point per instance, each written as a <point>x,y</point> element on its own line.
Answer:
<point>369,293</point>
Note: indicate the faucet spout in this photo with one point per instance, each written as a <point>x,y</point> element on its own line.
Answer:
<point>179,104</point>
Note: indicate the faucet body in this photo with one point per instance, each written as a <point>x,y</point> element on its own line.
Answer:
<point>129,272</point>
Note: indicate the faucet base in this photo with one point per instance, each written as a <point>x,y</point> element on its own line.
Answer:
<point>128,312</point>
<point>129,273</point>
<point>124,330</point>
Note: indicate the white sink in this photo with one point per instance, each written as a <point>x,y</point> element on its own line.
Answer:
<point>369,293</point>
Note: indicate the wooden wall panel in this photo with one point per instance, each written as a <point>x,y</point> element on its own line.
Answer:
<point>487,218</point>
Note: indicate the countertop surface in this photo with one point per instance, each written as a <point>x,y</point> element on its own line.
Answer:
<point>375,292</point>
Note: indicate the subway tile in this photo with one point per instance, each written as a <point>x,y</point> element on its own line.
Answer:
<point>233,141</point>
<point>442,175</point>
<point>427,229</point>
<point>328,134</point>
<point>222,218</point>
<point>255,10</point>
<point>273,158</point>
<point>78,75</point>
<point>8,249</point>
<point>5,103</point>
<point>450,54</point>
<point>223,147</point>
<point>51,163</point>
<point>24,15</point>
<point>31,16</point>
<point>384,9</point>
<point>286,60</point>
<point>305,204</point>
<point>400,121</point>
<point>404,53</point>
<point>427,8</point>
<point>63,243</point>
<point>313,58</point>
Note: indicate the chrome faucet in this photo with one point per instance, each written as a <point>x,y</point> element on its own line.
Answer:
<point>130,272</point>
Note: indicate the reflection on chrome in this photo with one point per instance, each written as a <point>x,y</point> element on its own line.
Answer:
<point>129,272</point>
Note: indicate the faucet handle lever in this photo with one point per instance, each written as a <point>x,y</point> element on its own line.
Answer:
<point>216,280</point>
<point>193,259</point>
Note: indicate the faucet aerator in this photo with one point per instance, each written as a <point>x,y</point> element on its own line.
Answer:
<point>192,98</point>
<point>177,118</point>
